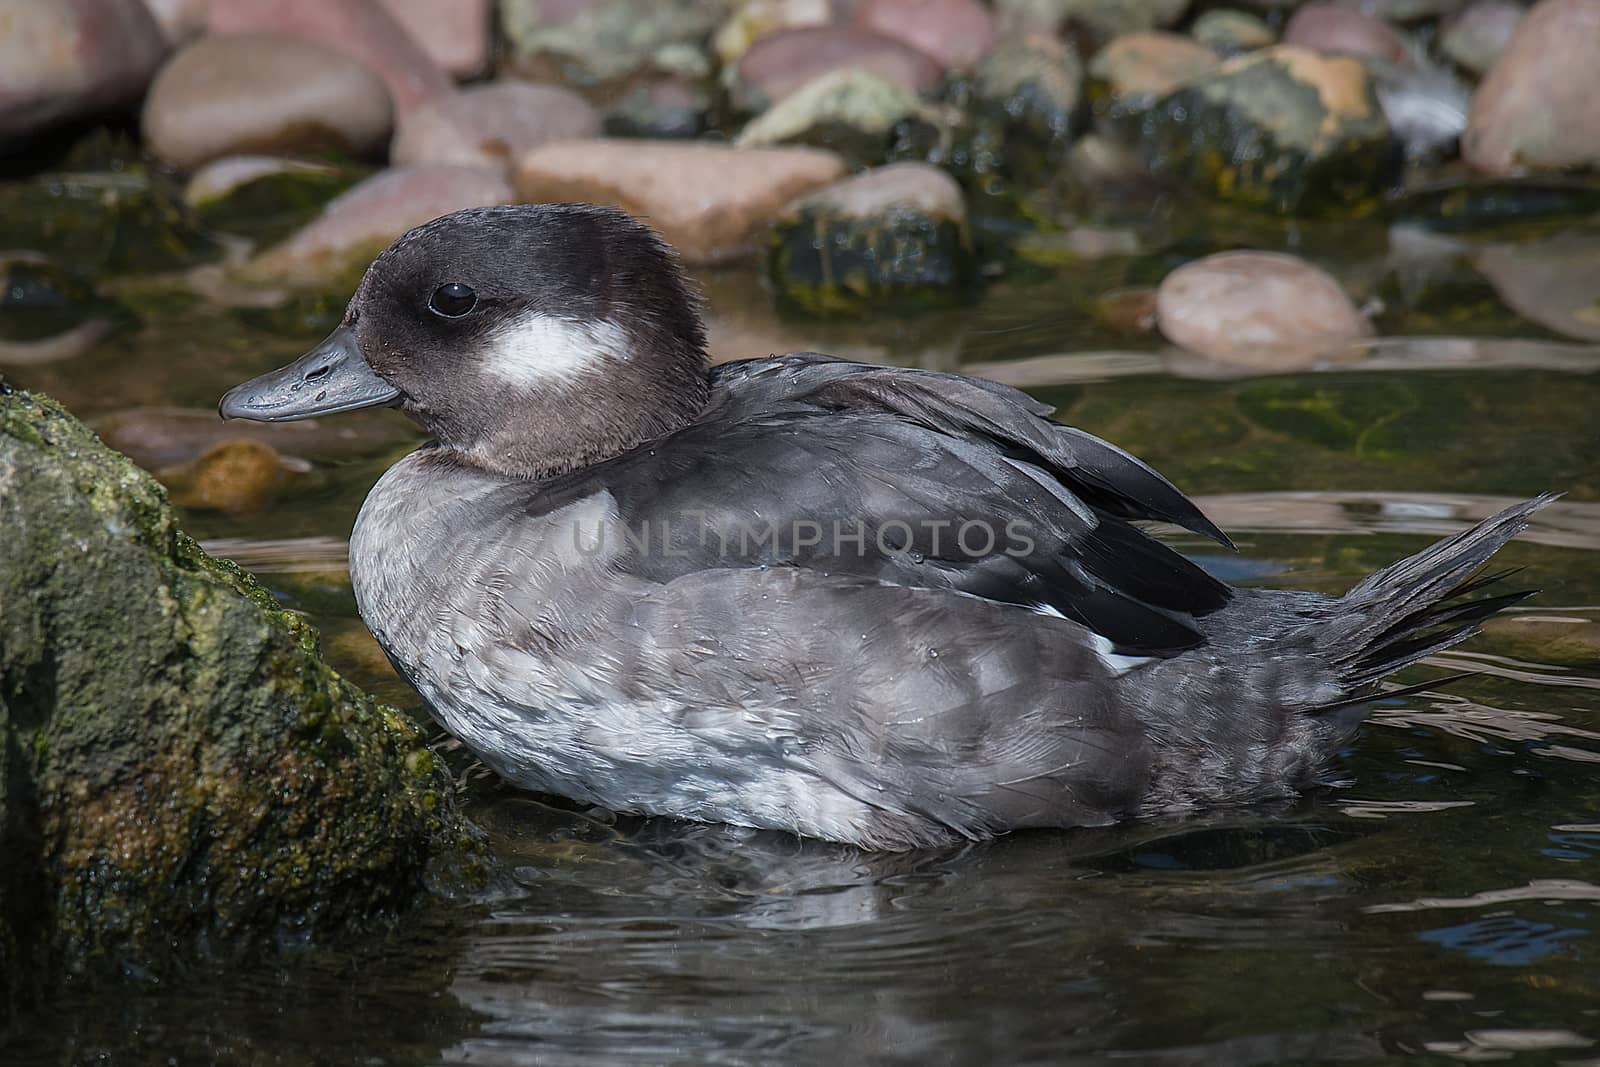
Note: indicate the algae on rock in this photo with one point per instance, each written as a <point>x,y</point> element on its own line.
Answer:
<point>181,775</point>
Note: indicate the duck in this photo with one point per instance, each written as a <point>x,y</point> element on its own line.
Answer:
<point>887,607</point>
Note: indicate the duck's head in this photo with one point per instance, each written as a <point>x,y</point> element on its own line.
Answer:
<point>530,340</point>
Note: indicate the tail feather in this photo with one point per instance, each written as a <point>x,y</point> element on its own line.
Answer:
<point>1414,608</point>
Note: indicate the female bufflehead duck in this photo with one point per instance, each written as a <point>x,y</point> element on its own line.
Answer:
<point>880,606</point>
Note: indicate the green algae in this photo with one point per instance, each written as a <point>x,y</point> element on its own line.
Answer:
<point>197,781</point>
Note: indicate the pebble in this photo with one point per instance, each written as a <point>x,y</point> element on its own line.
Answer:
<point>957,33</point>
<point>1477,35</point>
<point>1550,280</point>
<point>1131,312</point>
<point>1137,69</point>
<point>1036,83</point>
<point>1535,109</point>
<point>858,101</point>
<point>780,63</point>
<point>455,35</point>
<point>668,106</point>
<point>1257,309</point>
<point>60,59</point>
<point>361,29</point>
<point>1230,32</point>
<point>755,19</point>
<point>236,477</point>
<point>889,238</point>
<point>180,20</point>
<point>229,94</point>
<point>1332,27</point>
<point>358,224</point>
<point>711,201</point>
<point>588,43</point>
<point>491,125</point>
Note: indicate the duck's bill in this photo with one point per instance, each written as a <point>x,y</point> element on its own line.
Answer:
<point>332,377</point>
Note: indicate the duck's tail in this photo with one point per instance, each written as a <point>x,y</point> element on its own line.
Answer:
<point>1420,605</point>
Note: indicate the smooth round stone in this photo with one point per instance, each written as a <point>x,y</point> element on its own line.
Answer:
<point>1477,35</point>
<point>1229,32</point>
<point>1536,108</point>
<point>1257,309</point>
<point>362,221</point>
<point>893,237</point>
<point>262,93</point>
<point>1552,281</point>
<point>235,476</point>
<point>491,125</point>
<point>1137,69</point>
<point>780,63</point>
<point>602,42</point>
<point>858,101</point>
<point>955,32</point>
<point>709,200</point>
<point>1330,27</point>
<point>63,58</point>
<point>455,35</point>
<point>180,20</point>
<point>361,29</point>
<point>755,19</point>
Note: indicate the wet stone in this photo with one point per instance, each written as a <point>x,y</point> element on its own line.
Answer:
<point>47,313</point>
<point>1033,87</point>
<point>890,239</point>
<point>957,33</point>
<point>1326,26</point>
<point>163,437</point>
<point>1103,18</point>
<point>1551,281</point>
<point>1475,36</point>
<point>607,41</point>
<point>1284,128</point>
<point>491,125</point>
<point>1230,32</point>
<point>1135,70</point>
<point>237,476</point>
<point>853,112</point>
<point>262,197</point>
<point>667,107</point>
<point>752,20</point>
<point>456,36</point>
<point>780,63</point>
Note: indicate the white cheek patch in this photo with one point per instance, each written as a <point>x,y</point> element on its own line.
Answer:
<point>538,349</point>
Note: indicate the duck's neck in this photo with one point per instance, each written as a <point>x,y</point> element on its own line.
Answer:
<point>570,429</point>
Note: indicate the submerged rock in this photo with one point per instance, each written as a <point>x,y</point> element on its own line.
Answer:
<point>263,198</point>
<point>709,200</point>
<point>262,93</point>
<point>1263,310</point>
<point>1283,128</point>
<point>236,476</point>
<point>182,776</point>
<point>159,437</point>
<point>1031,88</point>
<point>63,58</point>
<point>1535,109</point>
<point>1551,281</point>
<point>892,238</point>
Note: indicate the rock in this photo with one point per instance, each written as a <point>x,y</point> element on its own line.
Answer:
<point>781,63</point>
<point>1032,87</point>
<point>1135,70</point>
<point>180,20</point>
<point>1325,26</point>
<point>1476,35</point>
<point>1130,312</point>
<point>891,238</point>
<point>225,177</point>
<point>1257,309</point>
<point>1229,32</point>
<point>1424,102</point>
<point>1535,109</point>
<point>1404,10</point>
<point>47,313</point>
<point>157,438</point>
<point>604,41</point>
<point>235,476</point>
<point>664,107</point>
<point>361,29</point>
<point>360,223</point>
<point>853,112</point>
<point>491,125</point>
<point>710,201</point>
<point>455,35</point>
<point>262,92</point>
<point>261,198</point>
<point>183,777</point>
<point>754,19</point>
<point>65,58</point>
<point>1283,128</point>
<point>1103,18</point>
<point>957,33</point>
<point>1550,280</point>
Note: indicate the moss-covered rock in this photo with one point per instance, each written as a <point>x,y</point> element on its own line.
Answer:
<point>863,116</point>
<point>604,43</point>
<point>1030,89</point>
<point>1283,128</point>
<point>181,775</point>
<point>893,238</point>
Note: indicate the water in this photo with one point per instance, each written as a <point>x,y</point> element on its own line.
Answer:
<point>1443,905</point>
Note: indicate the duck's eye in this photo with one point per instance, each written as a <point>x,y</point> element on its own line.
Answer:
<point>452,300</point>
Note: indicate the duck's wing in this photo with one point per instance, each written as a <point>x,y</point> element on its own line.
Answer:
<point>884,480</point>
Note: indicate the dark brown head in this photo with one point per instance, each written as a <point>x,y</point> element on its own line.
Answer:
<point>531,340</point>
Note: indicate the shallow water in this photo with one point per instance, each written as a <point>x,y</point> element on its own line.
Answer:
<point>1443,905</point>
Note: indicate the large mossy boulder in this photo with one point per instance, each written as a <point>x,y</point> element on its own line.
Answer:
<point>181,776</point>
